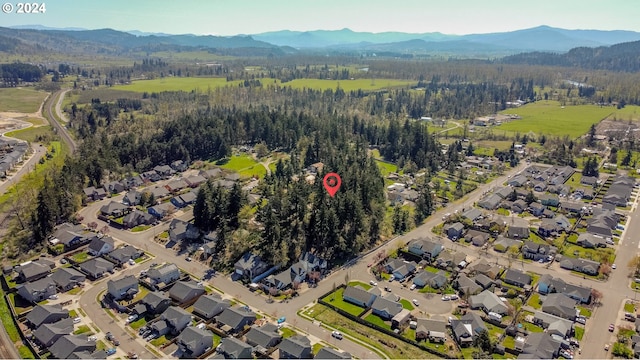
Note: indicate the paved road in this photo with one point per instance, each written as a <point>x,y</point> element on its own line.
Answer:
<point>62,131</point>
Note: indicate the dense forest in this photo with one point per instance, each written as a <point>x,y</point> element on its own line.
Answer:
<point>12,75</point>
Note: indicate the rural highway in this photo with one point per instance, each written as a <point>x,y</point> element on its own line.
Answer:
<point>53,101</point>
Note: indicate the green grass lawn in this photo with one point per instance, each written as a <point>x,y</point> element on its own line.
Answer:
<point>73,314</point>
<point>100,345</point>
<point>75,291</point>
<point>140,228</point>
<point>386,168</point>
<point>316,347</point>
<point>245,165</point>
<point>375,319</point>
<point>82,329</point>
<point>21,99</point>
<point>361,284</point>
<point>509,342</point>
<point>406,304</point>
<point>584,311</point>
<point>7,320</point>
<point>32,134</point>
<point>25,352</point>
<point>629,307</point>
<point>159,341</point>
<point>548,117</point>
<point>138,323</point>
<point>579,332</point>
<point>80,257</point>
<point>532,328</point>
<point>534,301</point>
<point>287,333</point>
<point>335,299</point>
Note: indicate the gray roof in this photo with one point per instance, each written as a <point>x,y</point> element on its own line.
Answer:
<point>330,353</point>
<point>472,214</point>
<point>97,243</point>
<point>162,271</point>
<point>191,336</point>
<point>154,298</point>
<point>263,335</point>
<point>467,285</point>
<point>123,282</point>
<point>41,314</point>
<point>113,207</point>
<point>48,333</point>
<point>426,325</point>
<point>234,316</point>
<point>390,307</point>
<point>64,276</point>
<point>470,324</point>
<point>559,304</point>
<point>208,302</point>
<point>489,301</point>
<point>357,293</point>
<point>123,254</point>
<point>173,314</point>
<point>33,269</point>
<point>295,345</point>
<point>96,265</point>
<point>553,323</point>
<point>183,291</point>
<point>234,348</point>
<point>517,276</point>
<point>541,345</point>
<point>160,326</point>
<point>69,344</point>
<point>560,286</point>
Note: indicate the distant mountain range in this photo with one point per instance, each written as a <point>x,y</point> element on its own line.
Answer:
<point>345,41</point>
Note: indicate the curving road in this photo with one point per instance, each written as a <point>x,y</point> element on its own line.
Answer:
<point>56,98</point>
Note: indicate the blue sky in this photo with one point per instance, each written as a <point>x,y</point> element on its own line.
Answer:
<point>231,17</point>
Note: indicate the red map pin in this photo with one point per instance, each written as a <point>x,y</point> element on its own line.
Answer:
<point>332,183</point>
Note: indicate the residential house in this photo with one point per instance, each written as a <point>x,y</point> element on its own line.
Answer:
<point>211,173</point>
<point>490,202</point>
<point>156,302</point>
<point>160,211</point>
<point>434,280</point>
<point>358,296</point>
<point>96,267</point>
<point>548,284</point>
<point>132,182</point>
<point>482,266</point>
<point>114,209</point>
<point>602,223</point>
<point>477,238</point>
<point>563,222</point>
<point>181,230</point>
<point>232,176</point>
<point>132,198</point>
<point>330,353</point>
<point>164,275</point>
<point>426,248</point>
<point>540,346</point>
<point>537,209</point>
<point>47,334</point>
<point>234,319</point>
<point>472,214</point>
<point>125,253</point>
<point>468,327</point>
<point>483,280</point>
<point>560,305</point>
<point>165,171</point>
<point>549,200</point>
<point>588,194</point>
<point>249,266</point>
<point>123,288</point>
<point>518,232</point>
<point>209,306</point>
<point>39,290</point>
<point>209,248</point>
<point>184,292</point>
<point>176,185</point>
<point>139,309</point>
<point>562,189</point>
<point>488,302</point>
<point>295,347</point>
<point>46,314</point>
<point>450,259</point>
<point>466,285</point>
<point>517,181</point>
<point>194,342</point>
<point>32,270</point>
<point>263,337</point>
<point>160,327</point>
<point>518,206</point>
<point>313,263</point>
<point>67,278</point>
<point>177,318</point>
<point>590,241</point>
<point>184,199</point>
<point>233,348</point>
<point>400,319</point>
<point>548,228</point>
<point>179,165</point>
<point>406,269</point>
<point>454,231</point>
<point>516,278</point>
<point>503,192</point>
<point>93,194</point>
<point>66,345</point>
<point>101,245</point>
<point>195,181</point>
<point>539,186</point>
<point>537,251</point>
<point>502,244</point>
<point>589,181</point>
<point>588,267</point>
<point>573,208</point>
<point>137,218</point>
<point>553,324</point>
<point>432,329</point>
<point>384,308</point>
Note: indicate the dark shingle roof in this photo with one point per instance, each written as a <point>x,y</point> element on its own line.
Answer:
<point>41,313</point>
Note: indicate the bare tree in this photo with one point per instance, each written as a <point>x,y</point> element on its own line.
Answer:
<point>596,296</point>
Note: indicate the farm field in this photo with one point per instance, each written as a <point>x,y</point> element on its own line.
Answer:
<point>629,112</point>
<point>21,100</point>
<point>203,83</point>
<point>549,118</point>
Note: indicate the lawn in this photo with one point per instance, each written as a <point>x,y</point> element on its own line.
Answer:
<point>75,291</point>
<point>386,168</point>
<point>548,117</point>
<point>509,342</point>
<point>80,257</point>
<point>82,329</point>
<point>534,301</point>
<point>532,328</point>
<point>360,283</point>
<point>73,314</point>
<point>287,333</point>
<point>335,299</point>
<point>375,319</point>
<point>32,134</point>
<point>244,165</point>
<point>629,307</point>
<point>579,332</point>
<point>7,320</point>
<point>140,228</point>
<point>25,352</point>
<point>584,311</point>
<point>100,345</point>
<point>138,323</point>
<point>21,100</point>
<point>159,341</point>
<point>406,304</point>
<point>316,347</point>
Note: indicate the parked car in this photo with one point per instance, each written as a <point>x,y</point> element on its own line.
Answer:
<point>373,283</point>
<point>53,297</point>
<point>453,297</point>
<point>92,338</point>
<point>110,351</point>
<point>109,336</point>
<point>415,302</point>
<point>581,320</point>
<point>337,335</point>
<point>77,320</point>
<point>132,318</point>
<point>188,258</point>
<point>132,262</point>
<point>413,287</point>
<point>282,319</point>
<point>613,266</point>
<point>612,327</point>
<point>63,261</point>
<point>446,298</point>
<point>606,347</point>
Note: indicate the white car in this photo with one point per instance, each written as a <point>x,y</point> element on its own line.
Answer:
<point>53,297</point>
<point>132,318</point>
<point>415,302</point>
<point>413,287</point>
<point>453,297</point>
<point>613,266</point>
<point>92,338</point>
<point>373,283</point>
<point>446,298</point>
<point>337,335</point>
<point>132,262</point>
<point>77,320</point>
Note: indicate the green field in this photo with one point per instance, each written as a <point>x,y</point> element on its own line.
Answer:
<point>245,165</point>
<point>204,83</point>
<point>629,112</point>
<point>33,134</point>
<point>548,117</point>
<point>21,100</point>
